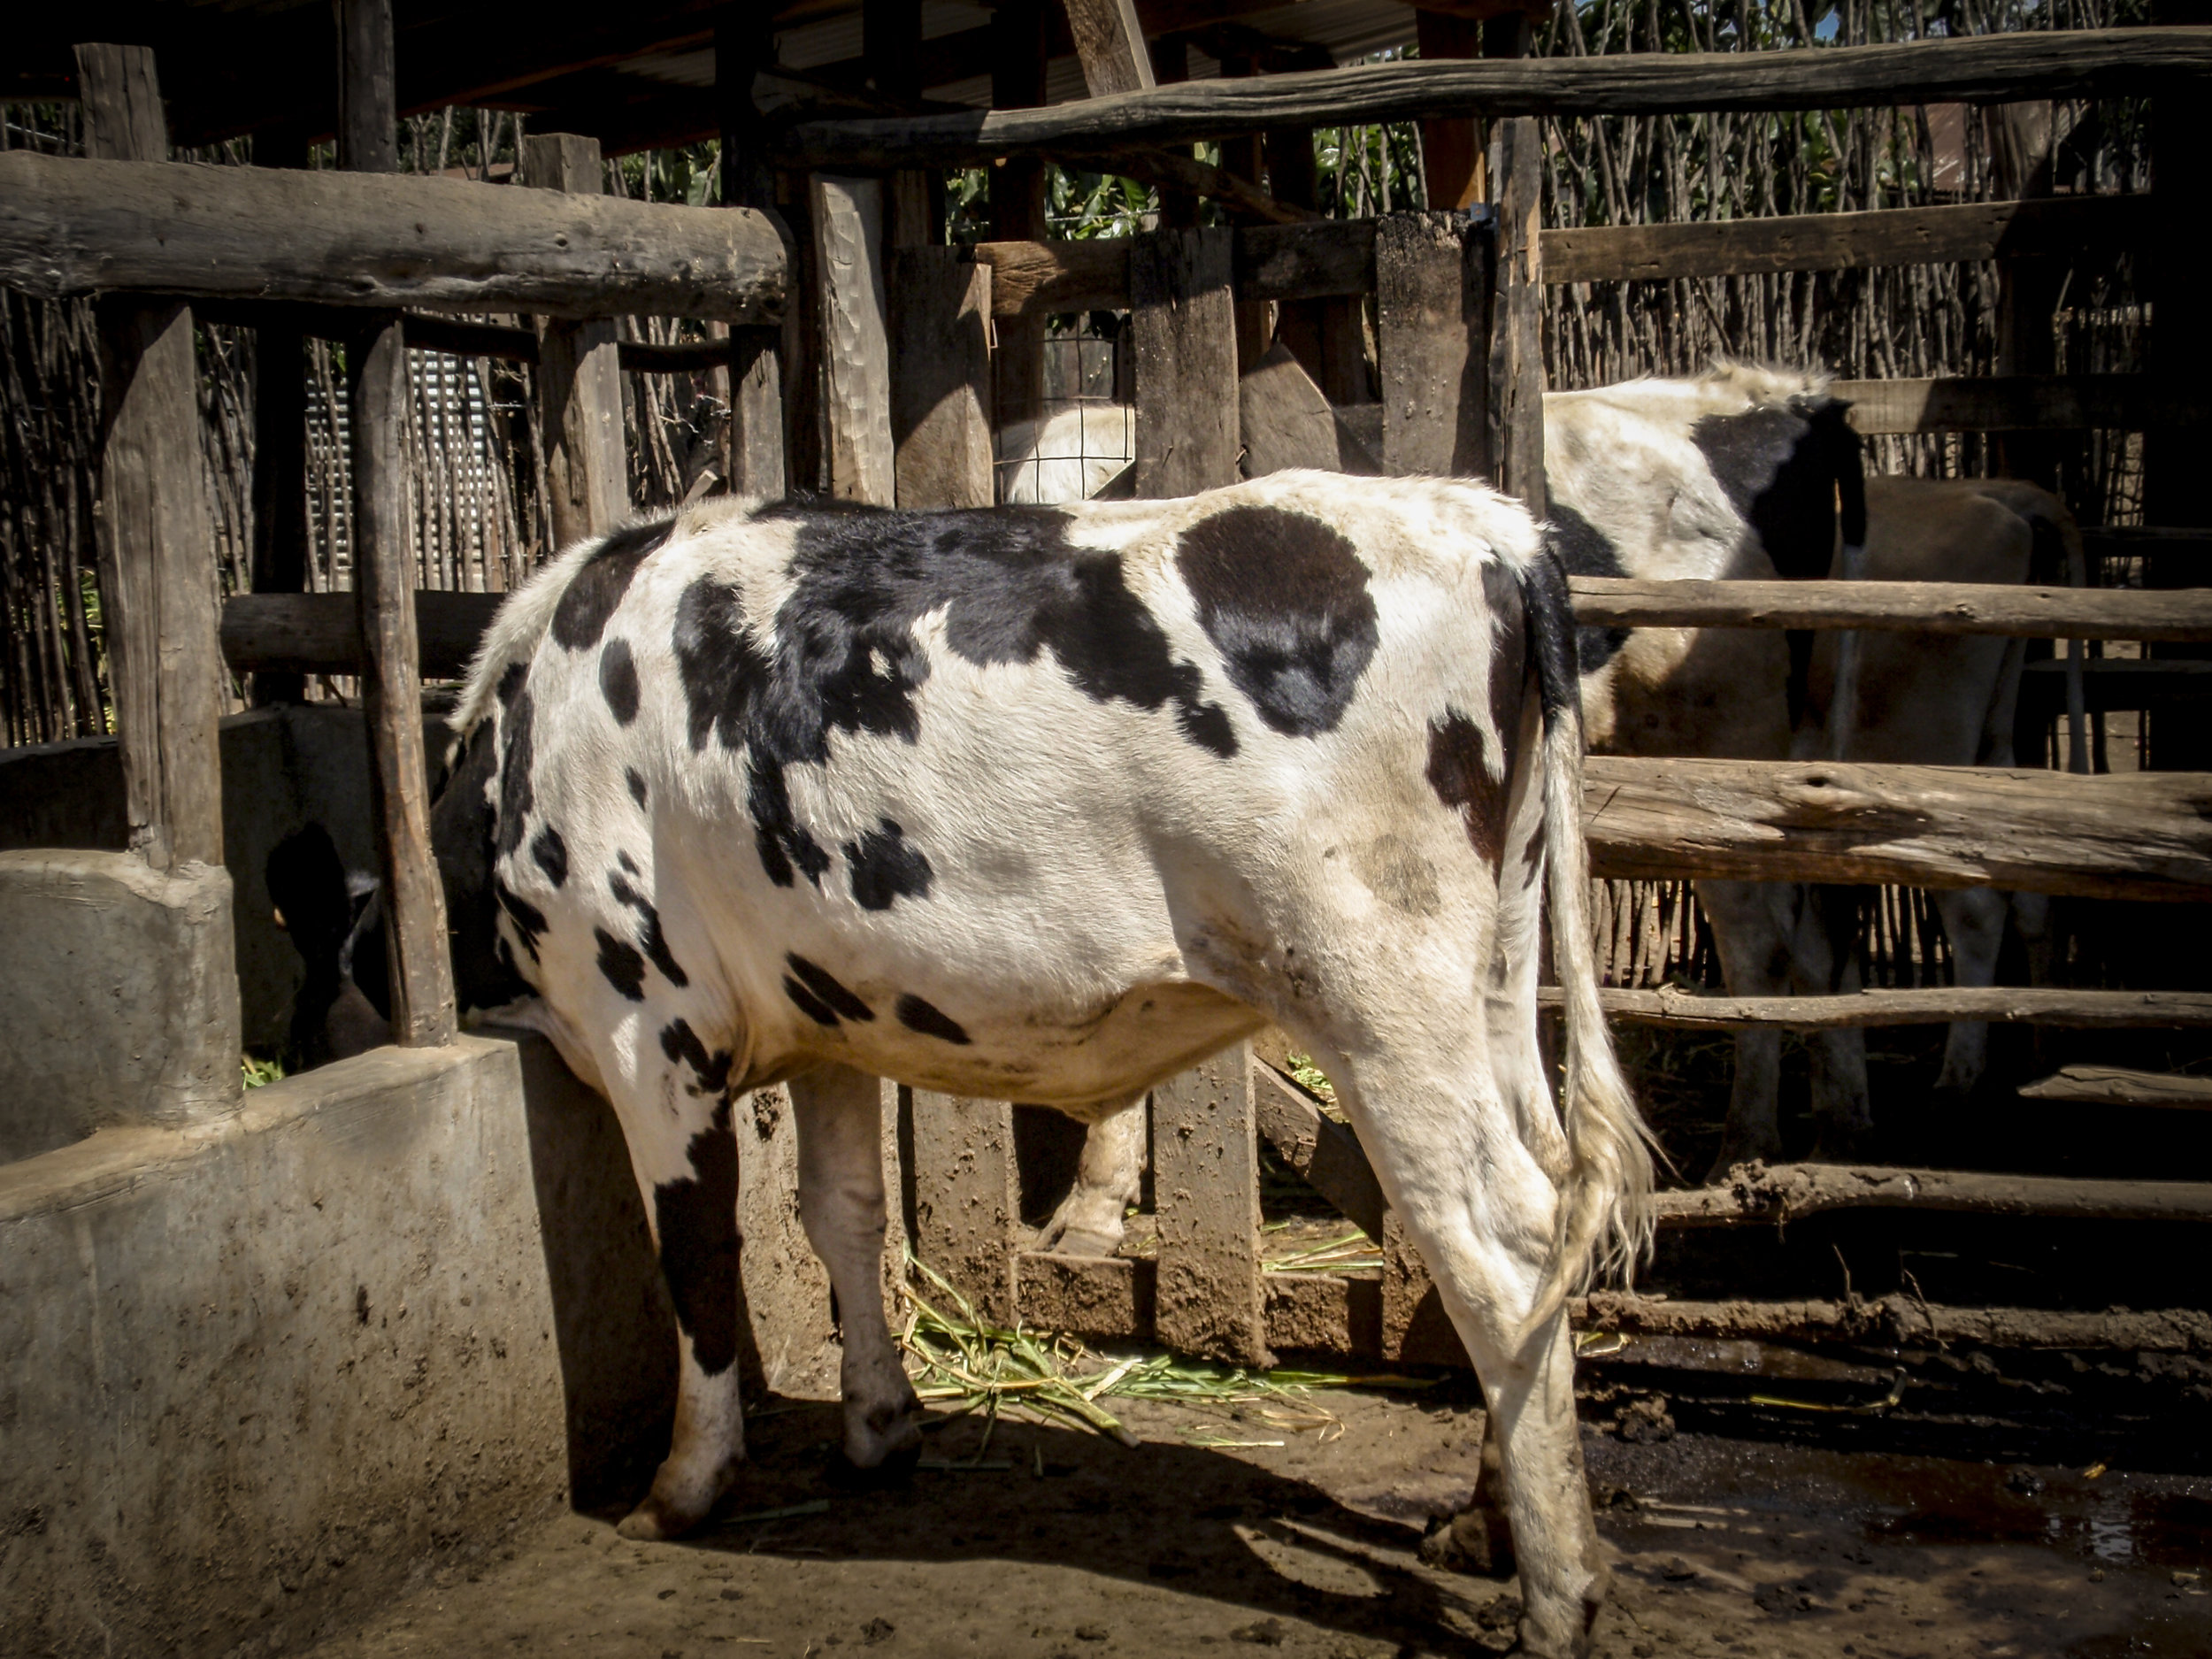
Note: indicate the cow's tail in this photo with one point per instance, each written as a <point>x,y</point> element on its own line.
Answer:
<point>1605,1219</point>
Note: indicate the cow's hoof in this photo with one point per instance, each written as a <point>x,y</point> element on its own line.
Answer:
<point>649,1523</point>
<point>1086,1242</point>
<point>678,1502</point>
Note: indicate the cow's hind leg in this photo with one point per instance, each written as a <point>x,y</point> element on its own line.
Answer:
<point>1108,1181</point>
<point>840,1115</point>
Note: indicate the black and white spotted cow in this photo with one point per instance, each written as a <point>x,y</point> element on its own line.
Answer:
<point>1048,804</point>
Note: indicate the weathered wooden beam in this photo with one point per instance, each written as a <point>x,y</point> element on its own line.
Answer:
<point>1268,262</point>
<point>71,227</point>
<point>1205,1177</point>
<point>1325,1154</point>
<point>1183,327</point>
<point>1756,1193</point>
<point>280,451</point>
<point>2023,403</point>
<point>743,45</point>
<point>579,376</point>
<point>157,547</point>
<point>2137,835</point>
<point>1971,231</point>
<point>2082,1011</point>
<point>940,379</point>
<point>418,953</point>
<point>967,1200</point>
<point>1431,305</point>
<point>1515,318</point>
<point>1110,43</point>
<point>2033,613</point>
<point>1107,1297</point>
<point>1989,68</point>
<point>320,634</point>
<point>848,216</point>
<point>2114,1086</point>
<point>1898,1320</point>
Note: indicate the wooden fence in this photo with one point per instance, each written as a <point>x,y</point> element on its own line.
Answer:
<point>904,340</point>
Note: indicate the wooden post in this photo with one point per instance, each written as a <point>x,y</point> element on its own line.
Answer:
<point>1430,290</point>
<point>1244,157</point>
<point>1183,327</point>
<point>1205,1178</point>
<point>1516,288</point>
<point>279,447</point>
<point>742,44</point>
<point>1019,56</point>
<point>848,216</point>
<point>891,51</point>
<point>967,1206</point>
<point>940,379</point>
<point>580,379</point>
<point>420,963</point>
<point>1111,45</point>
<point>157,548</point>
<point>1451,145</point>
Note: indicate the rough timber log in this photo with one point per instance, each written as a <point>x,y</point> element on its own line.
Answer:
<point>2029,613</point>
<point>70,226</point>
<point>2022,403</point>
<point>1897,1319</point>
<point>2137,835</point>
<point>1989,68</point>
<point>1754,1193</point>
<point>319,634</point>
<point>1932,1005</point>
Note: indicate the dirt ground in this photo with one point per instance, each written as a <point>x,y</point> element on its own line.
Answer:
<point>1743,1543</point>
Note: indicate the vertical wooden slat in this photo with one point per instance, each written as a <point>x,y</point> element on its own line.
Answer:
<point>848,216</point>
<point>742,45</point>
<point>1206,1185</point>
<point>420,967</point>
<point>940,378</point>
<point>1517,299</point>
<point>967,1203</point>
<point>579,377</point>
<point>1451,149</point>
<point>891,57</point>
<point>1018,58</point>
<point>1429,313</point>
<point>1110,45</point>
<point>279,447</point>
<point>157,545</point>
<point>1183,329</point>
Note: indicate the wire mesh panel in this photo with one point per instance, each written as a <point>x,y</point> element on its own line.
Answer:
<point>1084,435</point>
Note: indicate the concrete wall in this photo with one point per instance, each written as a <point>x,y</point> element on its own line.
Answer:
<point>282,768</point>
<point>255,1375</point>
<point>119,1003</point>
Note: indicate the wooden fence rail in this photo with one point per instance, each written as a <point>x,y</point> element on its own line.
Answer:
<point>2034,613</point>
<point>2081,1010</point>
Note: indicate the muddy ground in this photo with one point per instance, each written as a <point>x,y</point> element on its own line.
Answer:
<point>1739,1528</point>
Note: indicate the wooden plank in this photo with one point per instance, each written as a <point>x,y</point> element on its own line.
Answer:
<point>418,953</point>
<point>1946,608</point>
<point>1328,259</point>
<point>1039,279</point>
<point>157,548</point>
<point>1758,1194</point>
<point>940,379</point>
<point>1095,1296</point>
<point>2138,835</point>
<point>967,1200</point>
<point>1989,68</point>
<point>1898,1319</point>
<point>1972,231</point>
<point>1268,262</point>
<point>71,227</point>
<point>1019,55</point>
<point>1429,309</point>
<point>320,634</point>
<point>2111,1086</point>
<point>280,447</point>
<point>1205,1177</point>
<point>2023,403</point>
<point>1183,329</point>
<point>580,375</point>
<point>1325,1154</point>
<point>1111,46</point>
<point>1515,443</point>
<point>1452,159</point>
<point>2083,1011</point>
<point>744,44</point>
<point>855,343</point>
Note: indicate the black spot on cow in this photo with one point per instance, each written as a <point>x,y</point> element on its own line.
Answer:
<point>529,920</point>
<point>649,934</point>
<point>1461,776</point>
<point>1587,551</point>
<point>551,853</point>
<point>828,989</point>
<point>516,793</point>
<point>619,961</point>
<point>625,861</point>
<point>682,1046</point>
<point>617,681</point>
<point>1010,587</point>
<point>918,1016</point>
<point>1551,636</point>
<point>884,866</point>
<point>1284,596</point>
<point>696,1219</point>
<point>1510,665</point>
<point>596,589</point>
<point>511,681</point>
<point>812,1006</point>
<point>636,780</point>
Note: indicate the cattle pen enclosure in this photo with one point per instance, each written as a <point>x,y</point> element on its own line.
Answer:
<point>843,333</point>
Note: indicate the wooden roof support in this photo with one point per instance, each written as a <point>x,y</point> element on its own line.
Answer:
<point>1991,67</point>
<point>419,960</point>
<point>1111,45</point>
<point>579,377</point>
<point>157,547</point>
